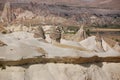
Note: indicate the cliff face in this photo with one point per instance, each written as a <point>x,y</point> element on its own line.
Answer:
<point>51,71</point>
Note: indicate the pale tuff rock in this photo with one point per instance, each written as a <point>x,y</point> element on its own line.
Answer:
<point>112,70</point>
<point>2,44</point>
<point>111,42</point>
<point>93,44</point>
<point>80,35</point>
<point>52,71</point>
<point>3,29</point>
<point>55,34</point>
<point>19,27</point>
<point>52,33</point>
<point>98,39</point>
<point>24,45</point>
<point>90,43</point>
<point>117,46</point>
<point>96,73</point>
<point>15,28</point>
<point>25,15</point>
<point>7,14</point>
<point>105,46</point>
<point>24,50</point>
<point>47,28</point>
<point>71,43</point>
<point>37,30</point>
<point>12,73</point>
<point>39,33</point>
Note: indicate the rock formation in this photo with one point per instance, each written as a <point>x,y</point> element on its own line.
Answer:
<point>93,43</point>
<point>39,33</point>
<point>99,42</point>
<point>6,14</point>
<point>2,44</point>
<point>80,35</point>
<point>27,58</point>
<point>28,46</point>
<point>52,71</point>
<point>2,29</point>
<point>55,34</point>
<point>25,53</point>
<point>25,15</point>
<point>117,46</point>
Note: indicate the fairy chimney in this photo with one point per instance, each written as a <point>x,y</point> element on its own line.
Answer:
<point>80,35</point>
<point>7,13</point>
<point>55,34</point>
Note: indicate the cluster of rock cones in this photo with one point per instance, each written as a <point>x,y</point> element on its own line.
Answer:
<point>22,48</point>
<point>29,53</point>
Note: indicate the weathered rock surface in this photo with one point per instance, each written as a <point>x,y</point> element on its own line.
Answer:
<point>7,14</point>
<point>27,58</point>
<point>80,35</point>
<point>55,34</point>
<point>23,46</point>
<point>117,47</point>
<point>39,33</point>
<point>52,71</point>
<point>25,15</point>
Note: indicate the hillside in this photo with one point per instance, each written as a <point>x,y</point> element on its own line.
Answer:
<point>89,3</point>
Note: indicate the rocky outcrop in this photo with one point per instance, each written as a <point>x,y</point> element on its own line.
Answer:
<point>80,35</point>
<point>25,15</point>
<point>60,71</point>
<point>2,44</point>
<point>39,32</point>
<point>7,14</point>
<point>55,34</point>
<point>117,46</point>
<point>23,57</point>
<point>93,43</point>
<point>3,29</point>
<point>27,49</point>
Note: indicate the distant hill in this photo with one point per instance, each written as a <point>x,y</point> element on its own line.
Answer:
<point>89,3</point>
